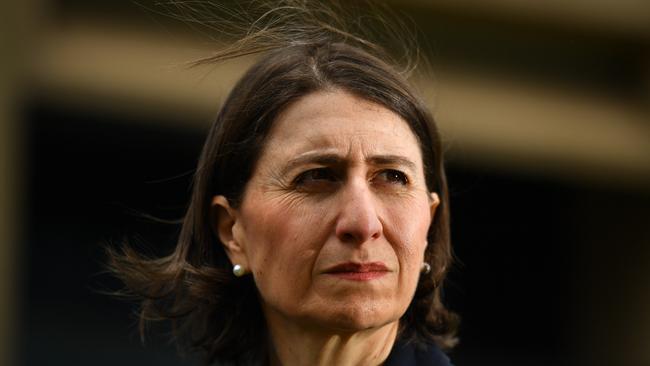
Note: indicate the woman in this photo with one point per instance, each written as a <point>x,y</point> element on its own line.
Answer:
<point>317,232</point>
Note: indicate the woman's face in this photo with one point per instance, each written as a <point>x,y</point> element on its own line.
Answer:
<point>333,222</point>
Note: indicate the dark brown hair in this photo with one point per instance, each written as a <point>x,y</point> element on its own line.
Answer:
<point>213,311</point>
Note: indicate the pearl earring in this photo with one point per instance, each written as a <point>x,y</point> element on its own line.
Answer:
<point>426,268</point>
<point>238,270</point>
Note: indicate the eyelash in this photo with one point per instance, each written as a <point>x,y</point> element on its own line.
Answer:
<point>396,175</point>
<point>327,175</point>
<point>302,177</point>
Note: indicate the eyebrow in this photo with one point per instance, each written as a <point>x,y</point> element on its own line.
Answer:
<point>334,159</point>
<point>312,158</point>
<point>391,160</point>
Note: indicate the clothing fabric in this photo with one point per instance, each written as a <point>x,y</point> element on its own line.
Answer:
<point>411,354</point>
<point>402,354</point>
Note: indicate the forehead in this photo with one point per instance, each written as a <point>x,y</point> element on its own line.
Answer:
<point>341,121</point>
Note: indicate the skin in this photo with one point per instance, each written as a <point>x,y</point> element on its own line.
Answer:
<point>340,180</point>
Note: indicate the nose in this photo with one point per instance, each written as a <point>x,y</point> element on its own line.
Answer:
<point>358,221</point>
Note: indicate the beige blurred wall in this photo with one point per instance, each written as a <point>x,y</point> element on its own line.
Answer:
<point>8,222</point>
<point>575,134</point>
<point>21,23</point>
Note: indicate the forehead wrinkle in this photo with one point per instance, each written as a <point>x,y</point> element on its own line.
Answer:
<point>340,132</point>
<point>327,148</point>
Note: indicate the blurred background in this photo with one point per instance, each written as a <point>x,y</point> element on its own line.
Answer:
<point>544,107</point>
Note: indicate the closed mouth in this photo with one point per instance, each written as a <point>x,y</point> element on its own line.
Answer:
<point>358,271</point>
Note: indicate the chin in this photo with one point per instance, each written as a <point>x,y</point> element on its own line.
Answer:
<point>358,317</point>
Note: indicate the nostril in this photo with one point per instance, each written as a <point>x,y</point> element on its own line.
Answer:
<point>357,232</point>
<point>347,238</point>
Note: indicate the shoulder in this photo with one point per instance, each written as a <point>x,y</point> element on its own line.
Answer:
<point>409,353</point>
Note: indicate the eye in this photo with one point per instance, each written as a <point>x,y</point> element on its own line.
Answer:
<point>393,176</point>
<point>315,177</point>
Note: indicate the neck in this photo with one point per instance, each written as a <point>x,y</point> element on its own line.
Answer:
<point>294,344</point>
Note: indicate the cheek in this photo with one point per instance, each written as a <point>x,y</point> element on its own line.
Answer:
<point>410,222</point>
<point>281,245</point>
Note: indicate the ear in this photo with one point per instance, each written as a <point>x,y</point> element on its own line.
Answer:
<point>434,202</point>
<point>225,226</point>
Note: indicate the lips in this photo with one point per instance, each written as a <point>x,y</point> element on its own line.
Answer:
<point>358,271</point>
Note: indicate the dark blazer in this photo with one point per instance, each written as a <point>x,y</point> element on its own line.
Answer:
<point>402,354</point>
<point>410,354</point>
